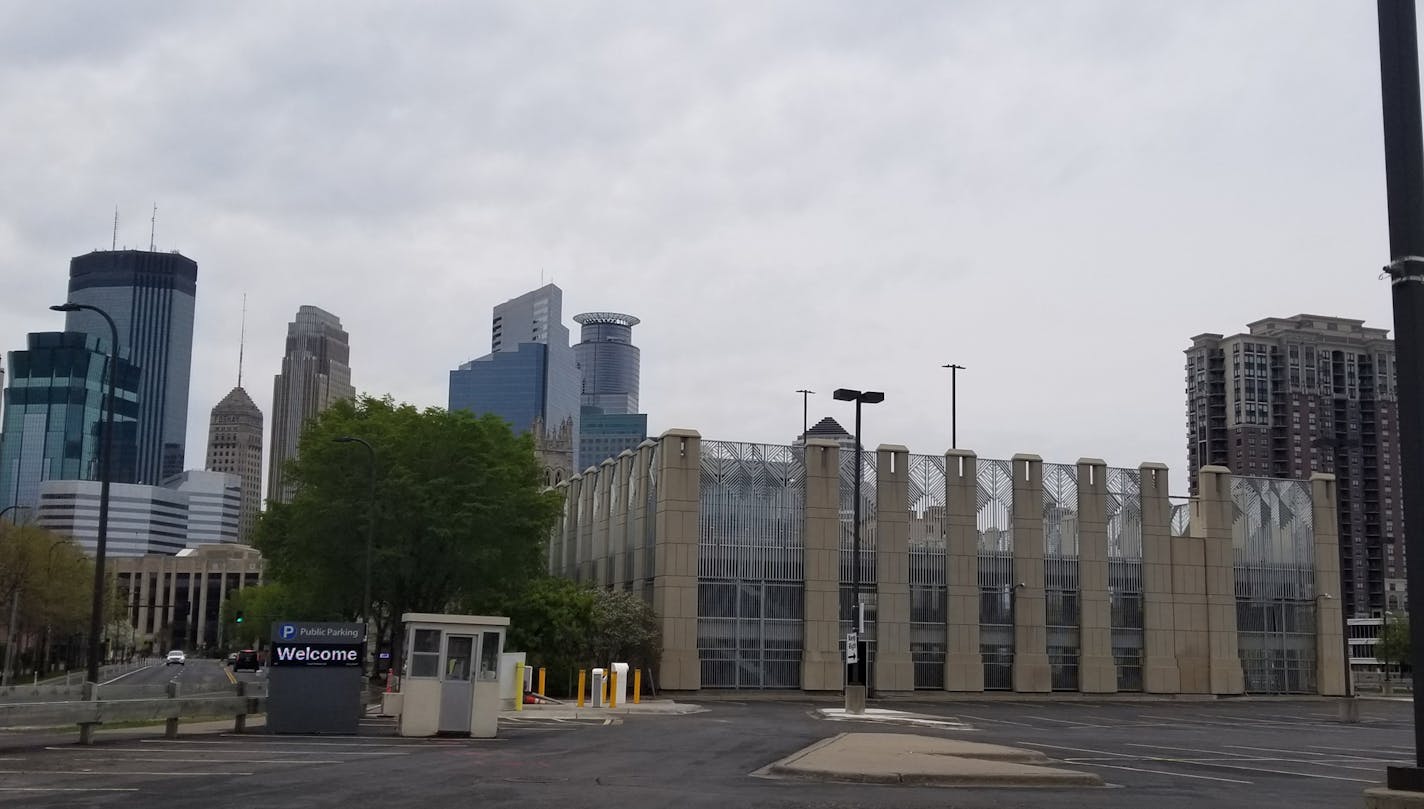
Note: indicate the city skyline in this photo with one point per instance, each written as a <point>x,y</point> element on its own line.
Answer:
<point>809,209</point>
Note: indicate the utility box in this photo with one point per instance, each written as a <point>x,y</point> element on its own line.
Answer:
<point>597,687</point>
<point>314,677</point>
<point>452,683</point>
<point>619,692</point>
<point>507,680</point>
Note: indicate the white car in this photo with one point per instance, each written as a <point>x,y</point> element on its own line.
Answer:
<point>176,656</point>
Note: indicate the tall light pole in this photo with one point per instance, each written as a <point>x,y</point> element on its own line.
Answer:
<point>370,519</point>
<point>805,414</point>
<point>860,398</point>
<point>1404,184</point>
<point>106,458</point>
<point>953,403</point>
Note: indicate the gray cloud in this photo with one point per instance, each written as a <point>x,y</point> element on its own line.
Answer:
<point>789,194</point>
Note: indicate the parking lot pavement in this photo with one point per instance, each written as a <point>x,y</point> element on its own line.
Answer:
<point>1265,747</point>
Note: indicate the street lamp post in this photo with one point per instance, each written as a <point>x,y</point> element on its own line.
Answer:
<point>953,403</point>
<point>106,458</point>
<point>857,673</point>
<point>370,520</point>
<point>805,414</point>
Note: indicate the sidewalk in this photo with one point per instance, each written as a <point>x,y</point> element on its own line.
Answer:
<point>902,758</point>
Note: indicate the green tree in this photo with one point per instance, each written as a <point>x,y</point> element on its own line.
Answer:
<point>461,514</point>
<point>565,626</point>
<point>1393,645</point>
<point>261,607</point>
<point>50,582</point>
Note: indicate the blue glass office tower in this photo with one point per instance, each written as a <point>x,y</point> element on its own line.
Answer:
<point>150,296</point>
<point>530,378</point>
<point>609,421</point>
<point>53,408</point>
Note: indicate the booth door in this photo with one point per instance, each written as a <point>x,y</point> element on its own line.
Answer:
<point>456,690</point>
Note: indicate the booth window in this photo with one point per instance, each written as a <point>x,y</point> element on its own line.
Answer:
<point>425,653</point>
<point>458,651</point>
<point>489,656</point>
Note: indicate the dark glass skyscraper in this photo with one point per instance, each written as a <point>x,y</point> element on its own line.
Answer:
<point>53,415</point>
<point>609,418</point>
<point>150,296</point>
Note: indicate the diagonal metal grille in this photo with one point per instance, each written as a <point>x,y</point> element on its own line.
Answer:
<point>928,593</point>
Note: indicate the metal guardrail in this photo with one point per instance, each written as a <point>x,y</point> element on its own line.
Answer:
<point>89,714</point>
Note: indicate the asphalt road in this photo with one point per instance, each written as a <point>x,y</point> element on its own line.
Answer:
<point>196,676</point>
<point>1156,753</point>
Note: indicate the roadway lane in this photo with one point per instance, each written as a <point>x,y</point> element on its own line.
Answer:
<point>197,676</point>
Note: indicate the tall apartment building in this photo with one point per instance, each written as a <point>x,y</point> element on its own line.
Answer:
<point>150,296</point>
<point>316,372</point>
<point>235,447</point>
<point>53,415</point>
<point>609,421</point>
<point>530,378</point>
<point>1308,394</point>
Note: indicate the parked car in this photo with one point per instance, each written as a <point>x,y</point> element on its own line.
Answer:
<point>247,659</point>
<point>175,656</point>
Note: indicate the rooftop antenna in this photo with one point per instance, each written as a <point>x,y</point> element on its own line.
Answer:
<point>152,226</point>
<point>242,339</point>
<point>114,245</point>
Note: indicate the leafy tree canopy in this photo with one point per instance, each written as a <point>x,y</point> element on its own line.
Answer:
<point>53,578</point>
<point>461,515</point>
<point>1393,646</point>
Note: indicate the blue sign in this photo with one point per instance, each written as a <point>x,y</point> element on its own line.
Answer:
<point>287,631</point>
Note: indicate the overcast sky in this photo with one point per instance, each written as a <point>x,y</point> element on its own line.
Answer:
<point>1056,195</point>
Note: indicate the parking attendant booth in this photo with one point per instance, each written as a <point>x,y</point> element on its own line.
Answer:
<point>451,685</point>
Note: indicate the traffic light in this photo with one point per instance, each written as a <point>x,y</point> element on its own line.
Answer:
<point>239,616</point>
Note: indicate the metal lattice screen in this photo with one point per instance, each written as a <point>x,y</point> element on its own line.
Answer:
<point>994,496</point>
<point>928,588</point>
<point>1063,617</point>
<point>750,565</point>
<point>1273,541</point>
<point>1124,516</point>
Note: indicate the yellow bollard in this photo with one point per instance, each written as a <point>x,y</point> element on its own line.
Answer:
<point>519,686</point>
<point>541,682</point>
<point>637,685</point>
<point>613,689</point>
<point>582,674</point>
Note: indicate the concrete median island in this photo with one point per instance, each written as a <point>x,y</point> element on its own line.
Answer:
<point>902,758</point>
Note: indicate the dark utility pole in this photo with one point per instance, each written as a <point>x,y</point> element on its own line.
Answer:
<point>805,414</point>
<point>106,458</point>
<point>953,403</point>
<point>1404,175</point>
<point>370,519</point>
<point>859,397</point>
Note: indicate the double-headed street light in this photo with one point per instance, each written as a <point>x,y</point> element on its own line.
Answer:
<point>860,398</point>
<point>106,457</point>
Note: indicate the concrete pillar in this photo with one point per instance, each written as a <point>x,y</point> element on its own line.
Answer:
<point>638,518</point>
<point>172,610</point>
<point>1097,672</point>
<point>675,586</point>
<point>1159,641</point>
<point>138,595</point>
<point>1217,513</point>
<point>556,542</point>
<point>894,668</point>
<point>822,668</point>
<point>1330,660</point>
<point>585,525</point>
<point>1031,670</point>
<point>963,662</point>
<point>202,580</point>
<point>603,525</point>
<point>618,520</point>
<point>222,596</point>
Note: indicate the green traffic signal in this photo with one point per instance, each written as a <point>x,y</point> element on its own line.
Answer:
<point>239,616</point>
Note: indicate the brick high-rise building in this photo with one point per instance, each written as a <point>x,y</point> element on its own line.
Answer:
<point>1308,394</point>
<point>235,447</point>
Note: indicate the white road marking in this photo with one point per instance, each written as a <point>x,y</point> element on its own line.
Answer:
<point>68,789</point>
<point>1068,722</point>
<point>1326,757</point>
<point>227,760</point>
<point>1252,768</point>
<point>125,674</point>
<point>226,750</point>
<point>999,721</point>
<point>111,773</point>
<point>255,742</point>
<point>1163,772</point>
<point>1121,756</point>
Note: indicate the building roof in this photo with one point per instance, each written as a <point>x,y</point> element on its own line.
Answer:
<point>827,428</point>
<point>237,400</point>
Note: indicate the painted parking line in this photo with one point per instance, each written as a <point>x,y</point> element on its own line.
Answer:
<point>259,742</point>
<point>1327,756</point>
<point>68,789</point>
<point>1066,722</point>
<point>223,760</point>
<point>1253,768</point>
<point>113,773</point>
<point>996,721</point>
<point>1123,756</point>
<point>226,750</point>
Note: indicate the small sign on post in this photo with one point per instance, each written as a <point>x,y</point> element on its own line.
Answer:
<point>852,649</point>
